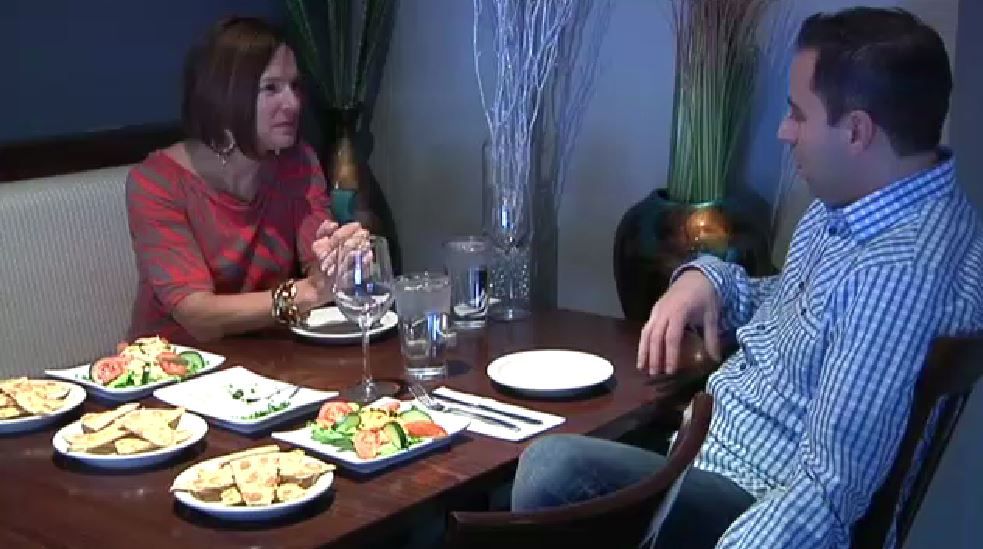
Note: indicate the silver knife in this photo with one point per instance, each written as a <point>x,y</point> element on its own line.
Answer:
<point>481,417</point>
<point>524,419</point>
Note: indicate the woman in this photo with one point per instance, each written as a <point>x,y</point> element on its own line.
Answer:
<point>223,220</point>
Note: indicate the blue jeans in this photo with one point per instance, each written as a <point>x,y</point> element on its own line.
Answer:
<point>561,469</point>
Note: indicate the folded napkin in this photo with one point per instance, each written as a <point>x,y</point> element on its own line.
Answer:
<point>525,431</point>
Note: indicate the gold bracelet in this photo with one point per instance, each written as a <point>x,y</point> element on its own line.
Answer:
<point>284,303</point>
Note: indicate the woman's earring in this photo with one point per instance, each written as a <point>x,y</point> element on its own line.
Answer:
<point>225,152</point>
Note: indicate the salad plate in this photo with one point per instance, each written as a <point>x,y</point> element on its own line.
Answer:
<point>374,437</point>
<point>139,368</point>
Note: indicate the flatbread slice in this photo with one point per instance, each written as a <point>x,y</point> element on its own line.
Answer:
<point>300,469</point>
<point>167,416</point>
<point>256,478</point>
<point>10,386</point>
<point>35,404</point>
<point>207,483</point>
<point>50,389</point>
<point>217,462</point>
<point>100,442</point>
<point>289,492</point>
<point>157,433</point>
<point>231,497</point>
<point>11,412</point>
<point>132,445</point>
<point>97,421</point>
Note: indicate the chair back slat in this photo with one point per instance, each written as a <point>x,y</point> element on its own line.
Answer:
<point>952,367</point>
<point>619,519</point>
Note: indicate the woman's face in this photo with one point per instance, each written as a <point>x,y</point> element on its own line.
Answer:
<point>278,103</point>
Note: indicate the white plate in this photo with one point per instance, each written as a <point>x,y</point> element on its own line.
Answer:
<point>76,396</point>
<point>328,325</point>
<point>550,372</point>
<point>265,512</point>
<point>211,396</point>
<point>454,425</point>
<point>80,375</point>
<point>188,422</point>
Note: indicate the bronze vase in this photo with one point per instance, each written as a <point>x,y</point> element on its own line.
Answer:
<point>657,235</point>
<point>355,192</point>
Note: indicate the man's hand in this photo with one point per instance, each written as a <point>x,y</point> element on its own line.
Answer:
<point>691,300</point>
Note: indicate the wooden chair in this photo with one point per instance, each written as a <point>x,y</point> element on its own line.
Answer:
<point>953,365</point>
<point>620,519</point>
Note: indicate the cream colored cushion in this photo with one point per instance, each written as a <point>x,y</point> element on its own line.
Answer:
<point>67,272</point>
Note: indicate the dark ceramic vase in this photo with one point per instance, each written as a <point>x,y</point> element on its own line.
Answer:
<point>657,235</point>
<point>355,192</point>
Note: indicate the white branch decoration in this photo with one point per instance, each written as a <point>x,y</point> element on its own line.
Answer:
<point>525,38</point>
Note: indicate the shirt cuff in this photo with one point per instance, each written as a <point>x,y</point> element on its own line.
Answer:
<point>710,266</point>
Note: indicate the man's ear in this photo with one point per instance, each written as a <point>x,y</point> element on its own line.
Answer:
<point>860,130</point>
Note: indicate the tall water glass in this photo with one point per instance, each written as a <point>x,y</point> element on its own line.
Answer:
<point>363,293</point>
<point>466,261</point>
<point>422,304</point>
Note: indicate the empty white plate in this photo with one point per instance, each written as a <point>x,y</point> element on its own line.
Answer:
<point>550,372</point>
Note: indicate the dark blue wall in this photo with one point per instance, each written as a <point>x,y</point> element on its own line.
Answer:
<point>76,65</point>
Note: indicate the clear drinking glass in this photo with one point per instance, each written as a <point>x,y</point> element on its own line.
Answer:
<point>363,293</point>
<point>507,225</point>
<point>423,301</point>
<point>466,261</point>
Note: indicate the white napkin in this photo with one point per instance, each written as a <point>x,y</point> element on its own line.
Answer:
<point>525,431</point>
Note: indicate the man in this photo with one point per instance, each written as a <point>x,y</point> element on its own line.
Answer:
<point>810,410</point>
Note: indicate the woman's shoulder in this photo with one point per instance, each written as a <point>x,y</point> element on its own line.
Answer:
<point>299,165</point>
<point>160,168</point>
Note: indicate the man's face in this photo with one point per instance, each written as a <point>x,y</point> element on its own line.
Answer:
<point>820,149</point>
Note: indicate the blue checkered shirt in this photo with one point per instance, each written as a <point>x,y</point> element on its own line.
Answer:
<point>811,409</point>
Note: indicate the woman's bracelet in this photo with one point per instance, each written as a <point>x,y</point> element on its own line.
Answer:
<point>285,305</point>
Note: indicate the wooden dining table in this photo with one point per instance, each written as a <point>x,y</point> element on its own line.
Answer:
<point>48,500</point>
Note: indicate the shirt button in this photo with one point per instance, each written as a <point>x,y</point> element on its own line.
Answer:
<point>832,230</point>
<point>802,311</point>
<point>742,367</point>
<point>802,285</point>
<point>760,327</point>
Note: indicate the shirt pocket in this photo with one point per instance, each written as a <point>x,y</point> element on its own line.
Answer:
<point>800,346</point>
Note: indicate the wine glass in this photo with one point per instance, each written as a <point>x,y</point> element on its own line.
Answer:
<point>507,225</point>
<point>363,293</point>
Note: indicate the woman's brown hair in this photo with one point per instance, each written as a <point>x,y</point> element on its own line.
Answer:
<point>221,82</point>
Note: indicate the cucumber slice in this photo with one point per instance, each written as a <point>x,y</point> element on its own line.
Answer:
<point>387,448</point>
<point>348,424</point>
<point>194,360</point>
<point>396,435</point>
<point>414,414</point>
<point>121,380</point>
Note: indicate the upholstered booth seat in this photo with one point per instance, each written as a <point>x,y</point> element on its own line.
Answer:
<point>67,271</point>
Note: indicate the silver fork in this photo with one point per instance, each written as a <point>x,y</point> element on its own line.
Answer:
<point>424,398</point>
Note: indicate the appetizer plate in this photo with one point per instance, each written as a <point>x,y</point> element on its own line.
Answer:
<point>241,400</point>
<point>76,396</point>
<point>80,375</point>
<point>242,513</point>
<point>188,422</point>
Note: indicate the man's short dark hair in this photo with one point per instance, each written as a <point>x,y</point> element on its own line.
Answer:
<point>887,63</point>
<point>221,82</point>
